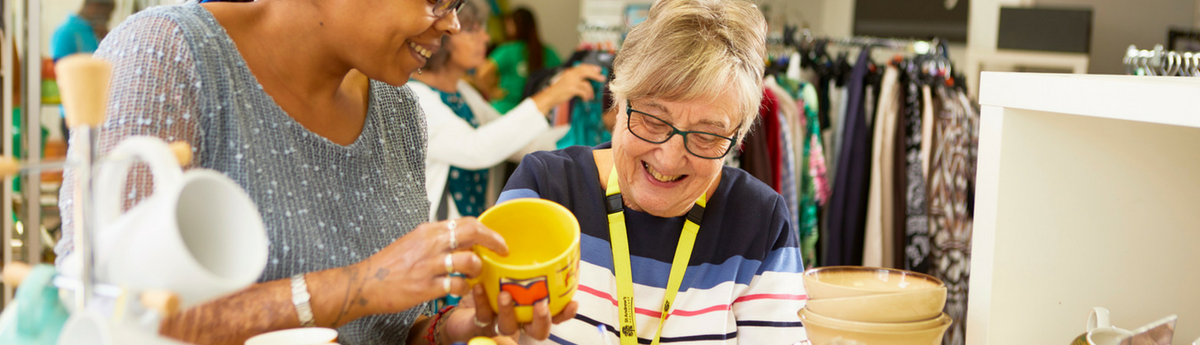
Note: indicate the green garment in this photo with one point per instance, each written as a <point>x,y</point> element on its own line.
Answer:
<point>810,202</point>
<point>18,143</point>
<point>512,72</point>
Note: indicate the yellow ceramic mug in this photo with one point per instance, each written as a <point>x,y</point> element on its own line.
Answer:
<point>543,255</point>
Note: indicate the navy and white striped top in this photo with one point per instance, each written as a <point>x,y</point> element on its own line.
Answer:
<point>743,283</point>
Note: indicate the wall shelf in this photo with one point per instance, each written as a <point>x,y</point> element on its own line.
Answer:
<point>1088,195</point>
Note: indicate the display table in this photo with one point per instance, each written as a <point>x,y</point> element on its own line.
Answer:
<point>1088,195</point>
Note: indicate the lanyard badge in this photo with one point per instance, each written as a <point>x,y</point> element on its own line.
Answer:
<point>620,249</point>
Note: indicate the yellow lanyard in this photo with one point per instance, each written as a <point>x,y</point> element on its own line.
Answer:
<point>620,249</point>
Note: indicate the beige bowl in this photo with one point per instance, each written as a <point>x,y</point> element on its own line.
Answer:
<point>823,330</point>
<point>850,281</point>
<point>904,306</point>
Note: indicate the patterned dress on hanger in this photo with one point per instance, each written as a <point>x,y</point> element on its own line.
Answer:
<point>950,172</point>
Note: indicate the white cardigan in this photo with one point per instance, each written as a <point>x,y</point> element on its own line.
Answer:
<point>453,142</point>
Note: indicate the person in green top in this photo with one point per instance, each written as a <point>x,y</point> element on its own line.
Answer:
<point>512,62</point>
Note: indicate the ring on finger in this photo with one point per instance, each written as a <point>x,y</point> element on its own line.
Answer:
<point>453,239</point>
<point>446,284</point>
<point>475,320</point>
<point>449,263</point>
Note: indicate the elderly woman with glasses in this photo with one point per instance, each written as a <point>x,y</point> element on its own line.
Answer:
<point>676,247</point>
<point>303,104</point>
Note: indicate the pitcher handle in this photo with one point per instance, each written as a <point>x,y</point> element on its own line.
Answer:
<point>1098,319</point>
<point>114,171</point>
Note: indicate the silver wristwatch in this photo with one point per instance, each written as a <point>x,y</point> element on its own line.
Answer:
<point>300,298</point>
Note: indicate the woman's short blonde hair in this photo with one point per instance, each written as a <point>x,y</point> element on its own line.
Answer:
<point>695,49</point>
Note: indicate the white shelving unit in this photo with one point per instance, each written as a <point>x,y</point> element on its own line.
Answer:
<point>1011,60</point>
<point>1088,195</point>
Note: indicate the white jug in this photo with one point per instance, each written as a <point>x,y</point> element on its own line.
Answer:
<point>1100,330</point>
<point>197,234</point>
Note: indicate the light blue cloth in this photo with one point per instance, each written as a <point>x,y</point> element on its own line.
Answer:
<point>788,187</point>
<point>40,315</point>
<point>178,76</point>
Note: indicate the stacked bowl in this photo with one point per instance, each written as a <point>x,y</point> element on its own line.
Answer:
<point>874,306</point>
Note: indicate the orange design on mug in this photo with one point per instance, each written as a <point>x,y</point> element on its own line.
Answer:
<point>527,291</point>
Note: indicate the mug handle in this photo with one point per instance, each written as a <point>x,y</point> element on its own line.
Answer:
<point>114,170</point>
<point>1098,319</point>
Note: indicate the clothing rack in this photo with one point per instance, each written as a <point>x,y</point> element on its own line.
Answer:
<point>919,47</point>
<point>592,27</point>
<point>930,57</point>
<point>1161,62</point>
<point>598,35</point>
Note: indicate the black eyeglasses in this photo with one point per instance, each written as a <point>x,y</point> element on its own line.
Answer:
<point>443,7</point>
<point>657,131</point>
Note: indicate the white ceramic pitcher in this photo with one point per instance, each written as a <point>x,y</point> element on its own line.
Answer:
<point>197,234</point>
<point>1100,330</point>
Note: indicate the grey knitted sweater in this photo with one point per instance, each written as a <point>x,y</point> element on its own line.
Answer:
<point>177,75</point>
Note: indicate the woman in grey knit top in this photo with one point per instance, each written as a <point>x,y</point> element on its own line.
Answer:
<point>270,94</point>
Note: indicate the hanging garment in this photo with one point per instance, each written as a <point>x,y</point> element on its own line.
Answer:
<point>916,221</point>
<point>817,163</point>
<point>814,190</point>
<point>587,120</point>
<point>755,158</point>
<point>949,221</point>
<point>823,94</point>
<point>878,242</point>
<point>788,186</point>
<point>900,176</point>
<point>788,114</point>
<point>810,166</point>
<point>770,118</point>
<point>837,114</point>
<point>869,99</point>
<point>973,115</point>
<point>847,209</point>
<point>927,114</point>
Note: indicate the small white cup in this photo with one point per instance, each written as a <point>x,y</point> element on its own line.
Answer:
<point>1100,330</point>
<point>89,328</point>
<point>296,336</point>
<point>198,234</point>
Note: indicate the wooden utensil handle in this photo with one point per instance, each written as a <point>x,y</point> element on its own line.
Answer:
<point>83,83</point>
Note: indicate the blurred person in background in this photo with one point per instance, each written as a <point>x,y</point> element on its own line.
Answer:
<point>467,136</point>
<point>81,33</point>
<point>510,65</point>
<point>83,30</point>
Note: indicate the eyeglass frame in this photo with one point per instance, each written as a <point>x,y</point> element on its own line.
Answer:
<point>447,6</point>
<point>629,114</point>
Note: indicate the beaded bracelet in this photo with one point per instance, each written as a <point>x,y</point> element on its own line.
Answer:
<point>431,335</point>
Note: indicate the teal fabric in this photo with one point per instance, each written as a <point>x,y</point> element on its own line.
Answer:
<point>75,35</point>
<point>40,313</point>
<point>587,120</point>
<point>466,187</point>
